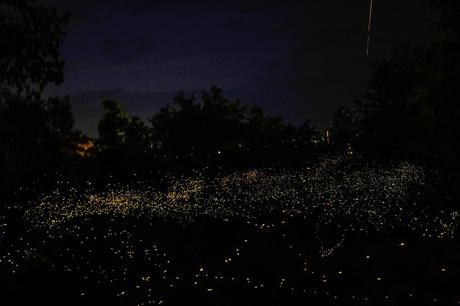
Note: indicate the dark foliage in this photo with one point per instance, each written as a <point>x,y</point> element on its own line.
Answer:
<point>213,132</point>
<point>36,134</point>
<point>36,138</point>
<point>412,107</point>
<point>30,37</point>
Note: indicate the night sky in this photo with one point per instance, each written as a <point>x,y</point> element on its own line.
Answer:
<point>296,59</point>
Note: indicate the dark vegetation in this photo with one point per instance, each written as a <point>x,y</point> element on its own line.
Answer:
<point>410,113</point>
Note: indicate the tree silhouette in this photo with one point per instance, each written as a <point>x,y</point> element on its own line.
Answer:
<point>36,135</point>
<point>112,127</point>
<point>30,38</point>
<point>389,120</point>
<point>412,105</point>
<point>344,130</point>
<point>215,130</point>
<point>124,141</point>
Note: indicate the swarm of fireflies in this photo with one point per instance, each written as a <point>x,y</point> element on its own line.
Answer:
<point>113,238</point>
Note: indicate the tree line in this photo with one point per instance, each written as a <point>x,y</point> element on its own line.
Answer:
<point>410,112</point>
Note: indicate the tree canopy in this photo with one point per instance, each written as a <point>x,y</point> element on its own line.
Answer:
<point>30,39</point>
<point>412,106</point>
<point>36,134</point>
<point>211,130</point>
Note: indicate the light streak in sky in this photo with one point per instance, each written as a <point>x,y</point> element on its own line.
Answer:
<point>369,27</point>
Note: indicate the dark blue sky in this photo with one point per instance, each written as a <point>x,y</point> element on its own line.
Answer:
<point>297,59</point>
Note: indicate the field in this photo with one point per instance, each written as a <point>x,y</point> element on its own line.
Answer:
<point>326,235</point>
